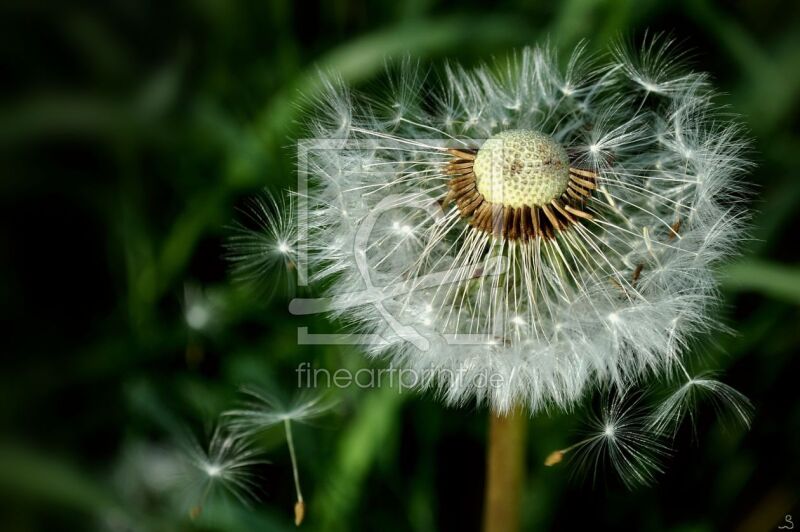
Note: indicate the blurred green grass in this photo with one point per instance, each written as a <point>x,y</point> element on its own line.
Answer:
<point>131,132</point>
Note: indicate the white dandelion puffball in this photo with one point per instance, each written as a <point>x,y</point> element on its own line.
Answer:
<point>522,233</point>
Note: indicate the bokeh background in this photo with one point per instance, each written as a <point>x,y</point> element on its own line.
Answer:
<point>131,131</point>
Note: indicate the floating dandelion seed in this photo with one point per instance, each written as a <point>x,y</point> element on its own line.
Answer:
<point>225,463</point>
<point>261,411</point>
<point>621,436</point>
<point>201,311</point>
<point>728,402</point>
<point>265,241</point>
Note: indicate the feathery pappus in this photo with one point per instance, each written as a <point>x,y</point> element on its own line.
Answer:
<point>529,233</point>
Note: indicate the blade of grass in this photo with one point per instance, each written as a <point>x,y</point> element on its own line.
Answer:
<point>777,281</point>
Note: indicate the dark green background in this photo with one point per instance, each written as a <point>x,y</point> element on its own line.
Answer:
<point>129,133</point>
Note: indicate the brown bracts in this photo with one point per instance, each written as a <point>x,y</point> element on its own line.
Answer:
<point>512,223</point>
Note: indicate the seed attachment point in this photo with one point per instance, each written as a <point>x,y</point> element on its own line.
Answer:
<point>518,186</point>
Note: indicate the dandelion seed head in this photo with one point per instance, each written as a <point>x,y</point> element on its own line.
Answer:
<point>536,223</point>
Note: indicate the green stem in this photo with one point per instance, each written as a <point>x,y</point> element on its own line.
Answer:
<point>505,471</point>
<point>299,507</point>
<point>287,425</point>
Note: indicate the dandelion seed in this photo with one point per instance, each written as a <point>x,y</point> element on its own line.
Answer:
<point>620,436</point>
<point>261,411</point>
<point>226,463</point>
<point>729,403</point>
<point>148,472</point>
<point>264,242</point>
<point>200,310</point>
<point>656,66</point>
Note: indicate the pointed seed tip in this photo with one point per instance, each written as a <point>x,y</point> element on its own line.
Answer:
<point>299,512</point>
<point>554,458</point>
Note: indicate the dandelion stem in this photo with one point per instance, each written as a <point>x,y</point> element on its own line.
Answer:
<point>299,507</point>
<point>505,471</point>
